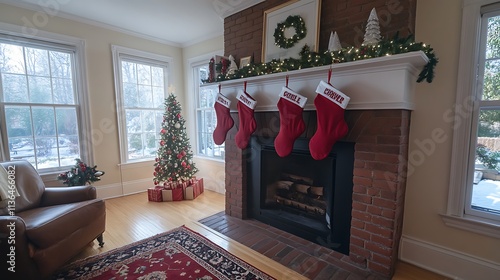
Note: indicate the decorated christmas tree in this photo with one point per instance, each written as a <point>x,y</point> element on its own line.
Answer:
<point>174,160</point>
<point>372,31</point>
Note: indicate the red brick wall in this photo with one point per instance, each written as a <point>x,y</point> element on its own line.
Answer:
<point>381,138</point>
<point>243,30</point>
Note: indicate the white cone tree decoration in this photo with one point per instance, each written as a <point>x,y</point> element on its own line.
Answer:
<point>232,66</point>
<point>372,31</point>
<point>334,43</point>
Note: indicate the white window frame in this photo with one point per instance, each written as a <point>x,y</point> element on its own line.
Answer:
<point>193,98</point>
<point>119,52</point>
<point>81,88</point>
<point>459,213</point>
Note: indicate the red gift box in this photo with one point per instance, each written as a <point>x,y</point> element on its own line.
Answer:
<point>194,190</point>
<point>154,194</point>
<point>173,194</point>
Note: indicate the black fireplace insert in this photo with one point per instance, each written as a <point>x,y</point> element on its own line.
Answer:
<point>308,198</point>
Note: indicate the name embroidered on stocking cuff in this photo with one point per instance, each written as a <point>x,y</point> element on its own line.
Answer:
<point>293,97</point>
<point>246,100</point>
<point>222,100</point>
<point>333,94</point>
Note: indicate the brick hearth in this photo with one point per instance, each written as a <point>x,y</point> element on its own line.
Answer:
<point>381,138</point>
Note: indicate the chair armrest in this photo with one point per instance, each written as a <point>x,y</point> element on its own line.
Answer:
<point>62,195</point>
<point>13,236</point>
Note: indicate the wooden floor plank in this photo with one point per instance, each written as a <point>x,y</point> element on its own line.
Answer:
<point>132,218</point>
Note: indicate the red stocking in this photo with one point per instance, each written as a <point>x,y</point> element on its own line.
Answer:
<point>246,104</point>
<point>224,120</point>
<point>330,106</point>
<point>290,105</point>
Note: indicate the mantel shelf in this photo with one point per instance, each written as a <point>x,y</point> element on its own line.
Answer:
<point>377,83</point>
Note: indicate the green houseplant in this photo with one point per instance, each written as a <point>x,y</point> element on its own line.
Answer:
<point>80,174</point>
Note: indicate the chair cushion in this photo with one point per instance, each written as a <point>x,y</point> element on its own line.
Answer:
<point>46,226</point>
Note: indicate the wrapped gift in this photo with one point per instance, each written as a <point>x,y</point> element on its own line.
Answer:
<point>194,190</point>
<point>192,180</point>
<point>155,194</point>
<point>175,194</point>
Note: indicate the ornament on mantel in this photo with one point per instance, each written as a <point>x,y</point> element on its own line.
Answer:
<point>334,43</point>
<point>232,66</point>
<point>372,31</point>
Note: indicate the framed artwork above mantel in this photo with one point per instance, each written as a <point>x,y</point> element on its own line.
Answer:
<point>308,10</point>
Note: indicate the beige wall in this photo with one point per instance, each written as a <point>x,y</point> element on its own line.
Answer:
<point>101,90</point>
<point>212,171</point>
<point>438,23</point>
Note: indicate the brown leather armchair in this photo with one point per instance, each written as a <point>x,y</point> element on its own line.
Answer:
<point>49,225</point>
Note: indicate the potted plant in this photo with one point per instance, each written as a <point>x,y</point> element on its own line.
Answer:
<point>80,175</point>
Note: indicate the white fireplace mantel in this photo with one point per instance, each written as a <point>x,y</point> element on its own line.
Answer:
<point>378,83</point>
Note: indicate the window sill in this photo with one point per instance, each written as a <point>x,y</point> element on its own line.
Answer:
<point>473,224</point>
<point>137,164</point>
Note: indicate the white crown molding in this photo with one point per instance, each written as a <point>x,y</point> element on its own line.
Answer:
<point>36,8</point>
<point>226,8</point>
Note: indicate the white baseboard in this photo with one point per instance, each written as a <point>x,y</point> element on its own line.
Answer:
<point>127,188</point>
<point>109,191</point>
<point>445,261</point>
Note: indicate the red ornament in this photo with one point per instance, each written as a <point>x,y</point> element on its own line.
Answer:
<point>154,173</point>
<point>155,182</point>
<point>157,159</point>
<point>178,115</point>
<point>179,156</point>
<point>162,143</point>
<point>183,153</point>
<point>183,164</point>
<point>163,131</point>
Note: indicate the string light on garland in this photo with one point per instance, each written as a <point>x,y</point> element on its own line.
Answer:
<point>309,59</point>
<point>298,24</point>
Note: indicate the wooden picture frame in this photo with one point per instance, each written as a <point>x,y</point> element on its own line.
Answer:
<point>244,61</point>
<point>309,10</point>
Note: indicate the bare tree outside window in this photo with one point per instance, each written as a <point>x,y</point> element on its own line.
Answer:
<point>38,98</point>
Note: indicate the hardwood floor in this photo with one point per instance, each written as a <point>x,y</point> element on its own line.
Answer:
<point>132,218</point>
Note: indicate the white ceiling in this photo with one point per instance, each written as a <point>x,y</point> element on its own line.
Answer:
<point>176,22</point>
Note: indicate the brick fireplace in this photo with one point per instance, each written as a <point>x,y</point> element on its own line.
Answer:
<point>378,117</point>
<point>381,145</point>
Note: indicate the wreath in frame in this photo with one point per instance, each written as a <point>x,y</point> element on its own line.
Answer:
<point>300,32</point>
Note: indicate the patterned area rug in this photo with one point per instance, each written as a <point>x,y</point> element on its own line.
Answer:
<point>178,254</point>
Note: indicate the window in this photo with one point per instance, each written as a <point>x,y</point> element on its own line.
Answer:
<point>484,192</point>
<point>41,103</point>
<point>206,119</point>
<point>141,82</point>
<point>474,199</point>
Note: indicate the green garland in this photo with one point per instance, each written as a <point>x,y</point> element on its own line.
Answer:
<point>312,59</point>
<point>300,32</point>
